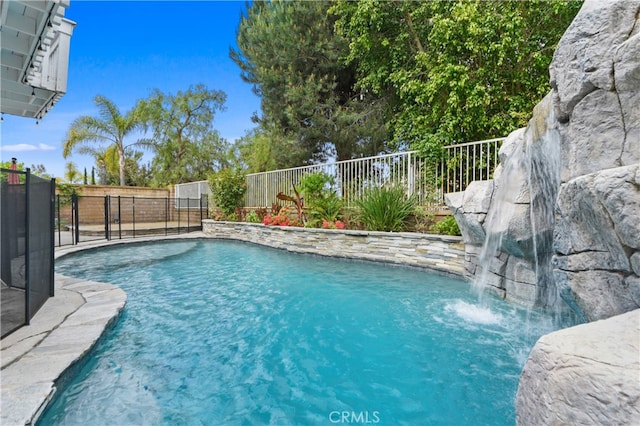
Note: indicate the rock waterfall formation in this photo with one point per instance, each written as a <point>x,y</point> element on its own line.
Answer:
<point>561,219</point>
<point>563,209</point>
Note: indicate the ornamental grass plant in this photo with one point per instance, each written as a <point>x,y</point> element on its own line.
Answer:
<point>386,209</point>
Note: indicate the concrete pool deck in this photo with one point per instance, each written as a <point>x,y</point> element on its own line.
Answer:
<point>60,334</point>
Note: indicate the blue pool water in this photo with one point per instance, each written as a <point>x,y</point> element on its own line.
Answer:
<point>223,333</point>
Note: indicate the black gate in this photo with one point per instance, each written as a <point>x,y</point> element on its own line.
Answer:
<point>81,218</point>
<point>26,229</point>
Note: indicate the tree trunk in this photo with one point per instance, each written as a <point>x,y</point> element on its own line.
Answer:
<point>121,163</point>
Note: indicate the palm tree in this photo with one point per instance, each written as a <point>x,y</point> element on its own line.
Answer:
<point>106,158</point>
<point>110,127</point>
<point>71,173</point>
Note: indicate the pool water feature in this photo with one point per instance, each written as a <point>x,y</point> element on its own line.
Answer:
<point>220,332</point>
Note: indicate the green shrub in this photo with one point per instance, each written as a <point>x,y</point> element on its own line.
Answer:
<point>227,190</point>
<point>386,209</point>
<point>422,220</point>
<point>253,217</point>
<point>327,208</point>
<point>315,185</point>
<point>320,199</point>
<point>448,226</point>
<point>65,192</point>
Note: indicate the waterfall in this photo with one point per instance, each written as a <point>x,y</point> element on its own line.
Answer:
<point>520,222</point>
<point>507,193</point>
<point>543,171</point>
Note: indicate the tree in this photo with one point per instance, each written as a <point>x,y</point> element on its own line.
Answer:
<point>107,162</point>
<point>93,175</point>
<point>138,174</point>
<point>71,174</point>
<point>108,166</point>
<point>453,71</point>
<point>110,127</point>
<point>40,170</point>
<point>292,56</point>
<point>36,170</point>
<point>261,150</point>
<point>186,146</point>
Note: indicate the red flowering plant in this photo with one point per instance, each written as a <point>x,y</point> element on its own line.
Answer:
<point>332,225</point>
<point>283,218</point>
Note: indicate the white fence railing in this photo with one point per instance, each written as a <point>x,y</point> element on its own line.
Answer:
<point>192,192</point>
<point>352,178</point>
<point>463,163</point>
<point>428,182</point>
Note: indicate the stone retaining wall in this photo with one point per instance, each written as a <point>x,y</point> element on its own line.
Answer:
<point>439,253</point>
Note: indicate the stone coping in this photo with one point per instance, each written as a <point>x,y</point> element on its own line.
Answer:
<point>60,334</point>
<point>354,232</point>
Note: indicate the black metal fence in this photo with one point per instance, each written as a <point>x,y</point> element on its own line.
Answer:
<point>26,252</point>
<point>81,218</point>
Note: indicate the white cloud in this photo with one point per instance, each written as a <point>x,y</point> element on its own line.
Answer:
<point>23,147</point>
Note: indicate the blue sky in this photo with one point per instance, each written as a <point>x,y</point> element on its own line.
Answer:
<point>125,49</point>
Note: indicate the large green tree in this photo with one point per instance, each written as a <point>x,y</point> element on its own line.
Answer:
<point>291,54</point>
<point>262,149</point>
<point>453,71</point>
<point>110,127</point>
<point>186,146</point>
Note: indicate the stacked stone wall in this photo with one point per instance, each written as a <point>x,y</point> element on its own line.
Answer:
<point>444,254</point>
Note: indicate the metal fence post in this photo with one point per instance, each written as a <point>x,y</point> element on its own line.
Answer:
<point>57,206</point>
<point>52,216</point>
<point>133,204</point>
<point>27,254</point>
<point>166,216</point>
<point>107,216</point>
<point>119,220</point>
<point>74,217</point>
<point>178,208</point>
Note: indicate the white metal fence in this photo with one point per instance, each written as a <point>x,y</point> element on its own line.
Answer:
<point>429,182</point>
<point>466,162</point>
<point>352,178</point>
<point>189,195</point>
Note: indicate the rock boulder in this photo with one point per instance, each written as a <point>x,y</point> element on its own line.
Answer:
<point>583,376</point>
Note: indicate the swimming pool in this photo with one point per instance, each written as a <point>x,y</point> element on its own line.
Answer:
<point>219,332</point>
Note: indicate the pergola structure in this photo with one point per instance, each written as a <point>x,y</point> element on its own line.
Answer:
<point>35,38</point>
